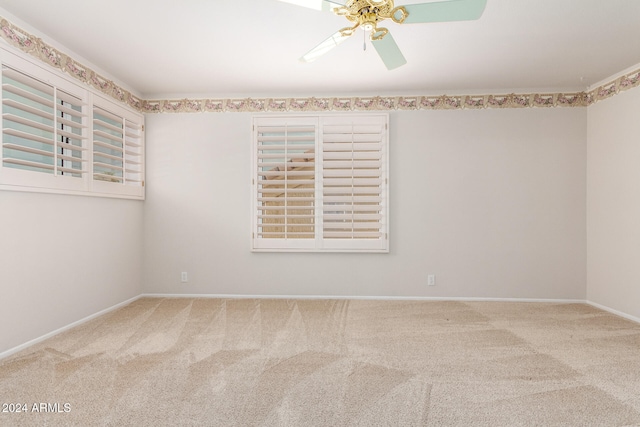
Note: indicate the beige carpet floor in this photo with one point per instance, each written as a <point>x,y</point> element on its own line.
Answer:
<point>217,362</point>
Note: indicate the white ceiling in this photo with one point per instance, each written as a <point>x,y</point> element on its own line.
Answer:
<point>230,48</point>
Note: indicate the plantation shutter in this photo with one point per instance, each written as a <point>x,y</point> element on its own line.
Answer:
<point>117,151</point>
<point>320,183</point>
<point>43,130</point>
<point>285,183</point>
<point>64,138</point>
<point>354,182</point>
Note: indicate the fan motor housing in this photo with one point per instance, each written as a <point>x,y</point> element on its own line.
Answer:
<point>367,13</point>
<point>368,10</point>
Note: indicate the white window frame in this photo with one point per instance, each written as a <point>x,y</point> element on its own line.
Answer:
<point>14,178</point>
<point>320,242</point>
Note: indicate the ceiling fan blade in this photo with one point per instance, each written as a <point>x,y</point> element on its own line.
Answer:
<point>324,47</point>
<point>389,51</point>
<point>445,11</point>
<point>325,5</point>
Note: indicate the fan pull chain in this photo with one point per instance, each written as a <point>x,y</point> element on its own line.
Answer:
<point>364,40</point>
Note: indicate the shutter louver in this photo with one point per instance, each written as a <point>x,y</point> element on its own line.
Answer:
<point>286,181</point>
<point>43,128</point>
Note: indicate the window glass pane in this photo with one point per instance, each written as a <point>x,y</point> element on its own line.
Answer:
<point>108,147</point>
<point>27,123</point>
<point>133,154</point>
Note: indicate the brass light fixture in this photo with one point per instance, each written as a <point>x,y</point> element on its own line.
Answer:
<point>368,13</point>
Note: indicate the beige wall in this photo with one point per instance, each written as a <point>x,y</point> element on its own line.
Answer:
<point>613,203</point>
<point>490,201</point>
<point>64,258</point>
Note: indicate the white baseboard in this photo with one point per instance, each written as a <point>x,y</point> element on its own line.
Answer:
<point>21,347</point>
<point>616,312</point>
<point>361,297</point>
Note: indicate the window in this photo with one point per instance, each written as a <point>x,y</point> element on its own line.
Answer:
<point>320,183</point>
<point>60,137</point>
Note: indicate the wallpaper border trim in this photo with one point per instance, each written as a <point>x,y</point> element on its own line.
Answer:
<point>42,51</point>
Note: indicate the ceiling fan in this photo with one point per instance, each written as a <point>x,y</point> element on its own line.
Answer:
<point>366,14</point>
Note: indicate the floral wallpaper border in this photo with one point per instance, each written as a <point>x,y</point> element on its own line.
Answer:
<point>37,48</point>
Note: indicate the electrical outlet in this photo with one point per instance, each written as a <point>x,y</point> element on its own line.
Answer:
<point>184,277</point>
<point>431,280</point>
